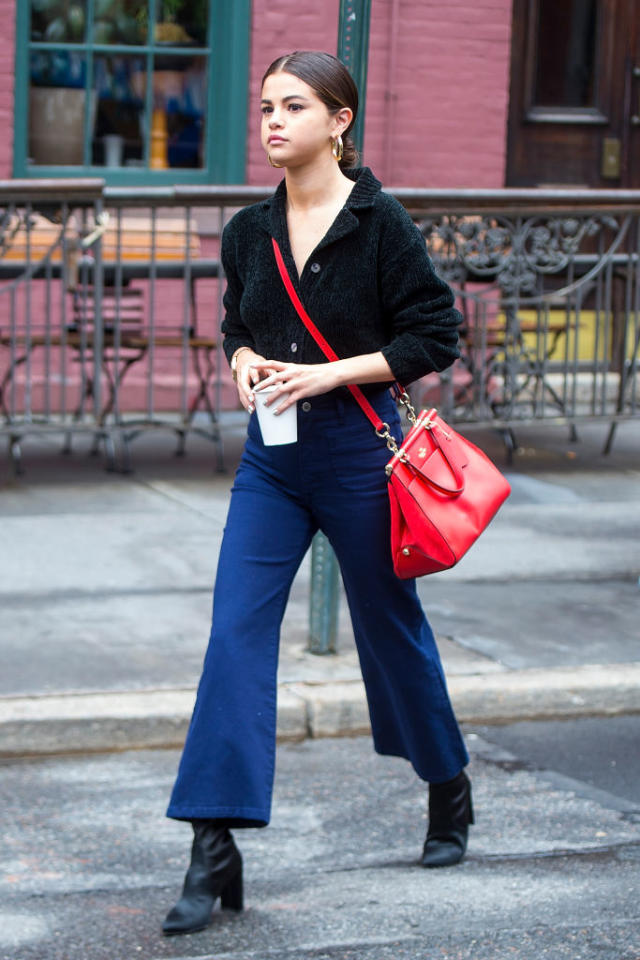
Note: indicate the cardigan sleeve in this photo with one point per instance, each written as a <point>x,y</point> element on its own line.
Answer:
<point>417,303</point>
<point>236,333</point>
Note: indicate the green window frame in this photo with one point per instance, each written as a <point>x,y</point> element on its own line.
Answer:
<point>224,138</point>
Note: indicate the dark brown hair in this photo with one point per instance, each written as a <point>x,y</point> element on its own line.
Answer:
<point>332,84</point>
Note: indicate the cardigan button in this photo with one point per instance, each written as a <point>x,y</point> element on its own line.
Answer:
<point>294,347</point>
<point>315,267</point>
<point>306,406</point>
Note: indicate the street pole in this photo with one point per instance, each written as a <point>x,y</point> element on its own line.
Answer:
<point>353,50</point>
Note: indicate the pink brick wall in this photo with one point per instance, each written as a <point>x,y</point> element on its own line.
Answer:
<point>437,94</point>
<point>277,27</point>
<point>7,54</point>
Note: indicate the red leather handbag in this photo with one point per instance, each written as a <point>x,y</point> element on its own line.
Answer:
<point>443,490</point>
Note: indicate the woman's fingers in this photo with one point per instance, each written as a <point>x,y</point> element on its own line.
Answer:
<point>244,390</point>
<point>274,364</point>
<point>271,378</point>
<point>292,381</point>
<point>247,377</point>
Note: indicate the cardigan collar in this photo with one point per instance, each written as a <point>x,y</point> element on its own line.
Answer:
<point>363,196</point>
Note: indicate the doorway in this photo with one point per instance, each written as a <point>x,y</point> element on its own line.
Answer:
<point>574,111</point>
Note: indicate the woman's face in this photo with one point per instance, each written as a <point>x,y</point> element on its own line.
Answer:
<point>296,125</point>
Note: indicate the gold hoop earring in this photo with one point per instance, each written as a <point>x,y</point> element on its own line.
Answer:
<point>272,164</point>
<point>337,148</point>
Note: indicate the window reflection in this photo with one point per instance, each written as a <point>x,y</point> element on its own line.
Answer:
<point>57,107</point>
<point>121,109</point>
<point>120,21</point>
<point>118,137</point>
<point>68,21</point>
<point>178,121</point>
<point>53,22</point>
<point>182,22</point>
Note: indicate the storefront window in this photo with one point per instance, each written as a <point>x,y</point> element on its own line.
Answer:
<point>126,88</point>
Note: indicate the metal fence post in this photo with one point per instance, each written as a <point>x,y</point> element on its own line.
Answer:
<point>353,50</point>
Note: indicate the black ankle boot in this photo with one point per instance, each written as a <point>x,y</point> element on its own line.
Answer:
<point>450,813</point>
<point>215,871</point>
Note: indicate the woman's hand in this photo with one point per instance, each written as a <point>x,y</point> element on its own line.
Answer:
<point>294,380</point>
<point>297,380</point>
<point>247,376</point>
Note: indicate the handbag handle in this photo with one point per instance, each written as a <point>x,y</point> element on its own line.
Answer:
<point>456,469</point>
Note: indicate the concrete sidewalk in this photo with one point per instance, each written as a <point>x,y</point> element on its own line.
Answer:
<point>105,583</point>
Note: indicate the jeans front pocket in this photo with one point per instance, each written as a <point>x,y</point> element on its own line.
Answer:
<point>357,455</point>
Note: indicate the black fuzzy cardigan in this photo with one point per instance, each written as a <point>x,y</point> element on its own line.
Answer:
<point>369,285</point>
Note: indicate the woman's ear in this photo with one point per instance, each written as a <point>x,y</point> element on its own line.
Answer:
<point>342,119</point>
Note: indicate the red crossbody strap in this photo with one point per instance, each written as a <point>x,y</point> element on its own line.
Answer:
<point>328,351</point>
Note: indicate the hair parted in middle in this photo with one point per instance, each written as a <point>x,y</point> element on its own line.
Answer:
<point>331,82</point>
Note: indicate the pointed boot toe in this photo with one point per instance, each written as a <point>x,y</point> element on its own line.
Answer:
<point>443,851</point>
<point>190,914</point>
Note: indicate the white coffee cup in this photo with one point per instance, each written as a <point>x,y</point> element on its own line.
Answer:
<point>276,429</point>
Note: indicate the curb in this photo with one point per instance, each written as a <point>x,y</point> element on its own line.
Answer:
<point>100,722</point>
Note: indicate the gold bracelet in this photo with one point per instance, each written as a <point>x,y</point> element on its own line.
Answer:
<point>234,362</point>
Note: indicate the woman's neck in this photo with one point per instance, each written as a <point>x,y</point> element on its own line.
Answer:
<point>316,185</point>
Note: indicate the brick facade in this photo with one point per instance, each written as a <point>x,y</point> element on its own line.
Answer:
<point>7,72</point>
<point>280,26</point>
<point>437,94</point>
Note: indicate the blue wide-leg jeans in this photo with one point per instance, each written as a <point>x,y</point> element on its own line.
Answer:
<point>332,479</point>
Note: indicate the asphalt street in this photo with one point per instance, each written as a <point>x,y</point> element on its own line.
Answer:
<point>90,865</point>
<point>604,755</point>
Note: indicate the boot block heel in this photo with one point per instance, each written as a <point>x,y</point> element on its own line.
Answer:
<point>232,897</point>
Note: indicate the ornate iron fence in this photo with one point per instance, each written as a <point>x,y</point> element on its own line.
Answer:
<point>110,305</point>
<point>549,285</point>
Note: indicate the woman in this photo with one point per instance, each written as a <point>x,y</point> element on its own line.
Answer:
<point>362,272</point>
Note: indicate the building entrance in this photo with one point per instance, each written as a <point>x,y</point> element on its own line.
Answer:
<point>574,113</point>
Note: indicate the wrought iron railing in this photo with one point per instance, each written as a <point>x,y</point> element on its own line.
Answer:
<point>549,284</point>
<point>110,306</point>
